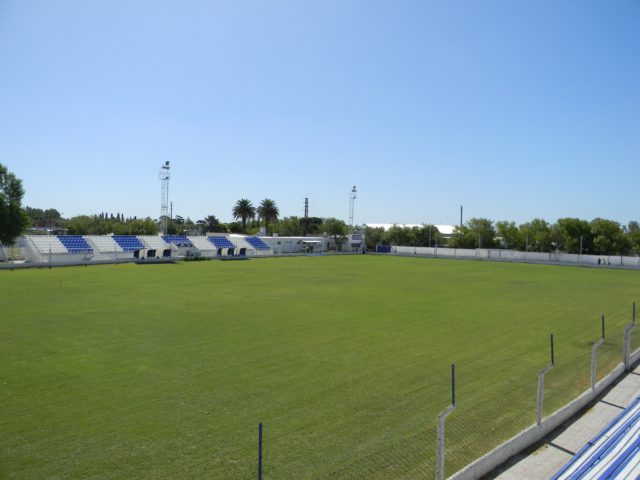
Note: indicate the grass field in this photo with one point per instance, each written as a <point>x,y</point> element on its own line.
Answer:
<point>164,371</point>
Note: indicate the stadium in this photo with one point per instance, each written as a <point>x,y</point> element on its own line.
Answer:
<point>432,361</point>
<point>169,370</point>
<point>472,316</point>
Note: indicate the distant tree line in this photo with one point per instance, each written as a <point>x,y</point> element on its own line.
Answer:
<point>422,236</point>
<point>572,235</point>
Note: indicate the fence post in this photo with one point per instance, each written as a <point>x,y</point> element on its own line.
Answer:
<point>627,339</point>
<point>594,351</point>
<point>260,451</point>
<point>541,374</point>
<point>441,418</point>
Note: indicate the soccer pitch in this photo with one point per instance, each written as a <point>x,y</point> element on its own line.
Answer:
<point>165,371</point>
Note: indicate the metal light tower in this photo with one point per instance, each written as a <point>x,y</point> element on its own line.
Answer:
<point>352,201</point>
<point>164,200</point>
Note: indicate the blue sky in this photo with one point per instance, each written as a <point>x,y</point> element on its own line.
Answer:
<point>515,110</point>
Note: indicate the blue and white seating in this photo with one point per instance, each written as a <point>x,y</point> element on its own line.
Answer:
<point>256,243</point>
<point>103,244</point>
<point>128,243</point>
<point>613,453</point>
<point>154,242</point>
<point>178,240</point>
<point>221,242</point>
<point>57,249</point>
<point>203,245</point>
<point>75,244</point>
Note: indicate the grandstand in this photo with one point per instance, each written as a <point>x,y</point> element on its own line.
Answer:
<point>105,247</point>
<point>75,248</point>
<point>221,242</point>
<point>3,256</point>
<point>52,248</point>
<point>154,242</point>
<point>256,243</point>
<point>75,244</point>
<point>128,243</point>
<point>613,453</point>
<point>178,240</point>
<point>203,245</point>
<point>244,245</point>
<point>225,247</point>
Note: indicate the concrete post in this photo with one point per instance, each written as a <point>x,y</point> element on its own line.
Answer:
<point>594,354</point>
<point>441,433</point>
<point>541,374</point>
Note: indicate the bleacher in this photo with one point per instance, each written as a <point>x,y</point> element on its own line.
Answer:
<point>103,244</point>
<point>613,453</point>
<point>3,256</point>
<point>128,243</point>
<point>75,244</point>
<point>46,244</point>
<point>154,242</point>
<point>256,243</point>
<point>178,240</point>
<point>78,248</point>
<point>221,242</point>
<point>202,244</point>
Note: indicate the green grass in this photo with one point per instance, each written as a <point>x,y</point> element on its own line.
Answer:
<point>164,371</point>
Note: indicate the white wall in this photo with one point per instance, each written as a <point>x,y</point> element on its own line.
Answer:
<point>515,256</point>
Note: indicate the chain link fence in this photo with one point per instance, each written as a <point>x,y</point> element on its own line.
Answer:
<point>494,403</point>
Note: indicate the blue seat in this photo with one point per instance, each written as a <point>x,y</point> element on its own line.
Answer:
<point>256,243</point>
<point>221,242</point>
<point>128,243</point>
<point>178,240</point>
<point>75,244</point>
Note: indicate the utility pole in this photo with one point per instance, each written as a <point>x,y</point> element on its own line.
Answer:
<point>460,216</point>
<point>306,207</point>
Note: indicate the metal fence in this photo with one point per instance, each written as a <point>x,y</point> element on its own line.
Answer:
<point>463,438</point>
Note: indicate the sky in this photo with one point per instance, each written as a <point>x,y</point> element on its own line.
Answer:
<point>513,110</point>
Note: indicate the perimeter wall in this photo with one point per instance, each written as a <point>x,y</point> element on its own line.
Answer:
<point>515,256</point>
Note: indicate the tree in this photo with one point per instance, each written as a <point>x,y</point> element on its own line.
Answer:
<point>235,227</point>
<point>397,235</point>
<point>477,233</point>
<point>337,228</point>
<point>13,219</point>
<point>244,210</point>
<point>537,235</point>
<point>425,236</point>
<point>310,225</point>
<point>211,224</point>
<point>374,236</point>
<point>608,238</point>
<point>290,227</point>
<point>572,235</point>
<point>462,238</point>
<point>267,212</point>
<point>43,218</point>
<point>509,235</point>
<point>633,236</point>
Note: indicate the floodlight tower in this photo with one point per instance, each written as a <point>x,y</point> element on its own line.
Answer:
<point>164,197</point>
<point>352,201</point>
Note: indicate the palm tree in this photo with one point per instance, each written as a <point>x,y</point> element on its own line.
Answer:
<point>244,210</point>
<point>268,212</point>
